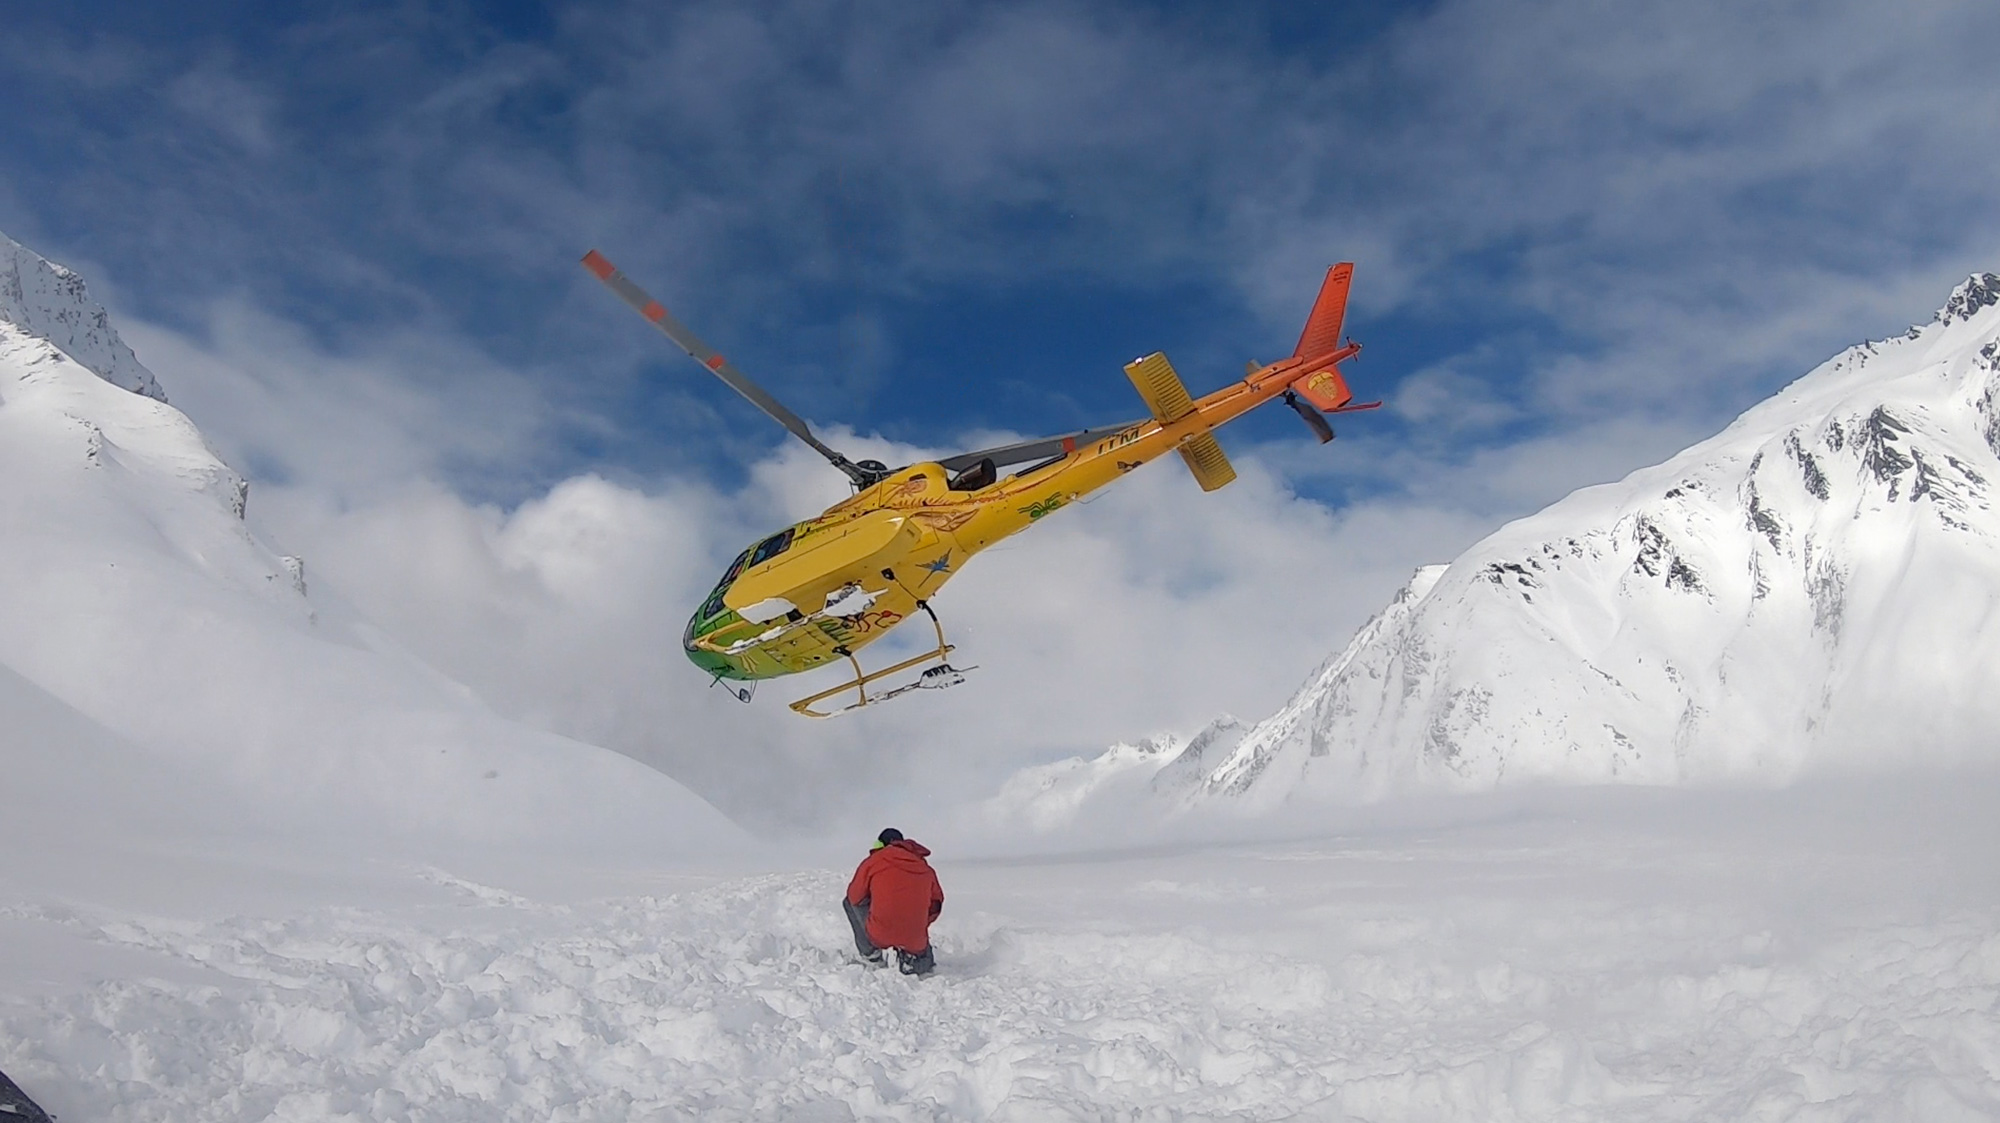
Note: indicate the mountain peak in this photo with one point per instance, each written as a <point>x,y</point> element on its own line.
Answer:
<point>1774,599</point>
<point>1808,590</point>
<point>50,302</point>
<point>1975,294</point>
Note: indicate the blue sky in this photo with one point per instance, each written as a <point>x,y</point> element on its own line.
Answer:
<point>921,220</point>
<point>1586,235</point>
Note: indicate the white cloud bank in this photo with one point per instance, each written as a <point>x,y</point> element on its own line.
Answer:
<point>1153,606</point>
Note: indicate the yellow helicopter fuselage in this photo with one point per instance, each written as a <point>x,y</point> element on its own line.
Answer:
<point>820,590</point>
<point>824,588</point>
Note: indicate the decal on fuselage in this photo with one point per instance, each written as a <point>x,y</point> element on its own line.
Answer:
<point>1119,439</point>
<point>1040,507</point>
<point>942,521</point>
<point>842,629</point>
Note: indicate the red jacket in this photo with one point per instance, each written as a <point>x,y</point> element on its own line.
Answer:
<point>902,895</point>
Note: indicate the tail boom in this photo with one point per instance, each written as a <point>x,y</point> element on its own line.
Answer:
<point>1186,425</point>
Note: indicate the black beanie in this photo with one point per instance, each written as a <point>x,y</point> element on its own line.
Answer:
<point>889,835</point>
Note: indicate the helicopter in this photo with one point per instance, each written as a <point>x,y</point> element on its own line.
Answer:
<point>818,591</point>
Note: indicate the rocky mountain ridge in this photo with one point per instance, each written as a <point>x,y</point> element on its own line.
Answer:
<point>1812,588</point>
<point>50,302</point>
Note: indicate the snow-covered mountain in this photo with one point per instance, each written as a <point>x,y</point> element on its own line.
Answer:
<point>134,599</point>
<point>46,301</point>
<point>1814,588</point>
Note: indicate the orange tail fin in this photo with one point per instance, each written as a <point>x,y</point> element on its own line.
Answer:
<point>1322,332</point>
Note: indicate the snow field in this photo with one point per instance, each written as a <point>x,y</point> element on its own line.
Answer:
<point>1579,974</point>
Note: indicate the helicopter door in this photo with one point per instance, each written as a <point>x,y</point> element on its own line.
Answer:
<point>855,551</point>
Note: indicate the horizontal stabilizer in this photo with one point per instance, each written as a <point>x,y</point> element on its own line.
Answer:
<point>1160,388</point>
<point>1322,332</point>
<point>1206,460</point>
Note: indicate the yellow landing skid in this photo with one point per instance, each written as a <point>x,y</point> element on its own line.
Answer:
<point>933,678</point>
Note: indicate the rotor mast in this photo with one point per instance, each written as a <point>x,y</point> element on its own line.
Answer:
<point>863,474</point>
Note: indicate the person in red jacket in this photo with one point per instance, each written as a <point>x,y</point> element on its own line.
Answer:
<point>891,902</point>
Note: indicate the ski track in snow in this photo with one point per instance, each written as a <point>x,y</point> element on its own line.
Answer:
<point>742,1001</point>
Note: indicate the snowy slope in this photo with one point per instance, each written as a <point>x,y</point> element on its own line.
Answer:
<point>1812,588</point>
<point>1128,776</point>
<point>132,593</point>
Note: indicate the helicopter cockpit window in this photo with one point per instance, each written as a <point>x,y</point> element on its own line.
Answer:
<point>975,477</point>
<point>714,606</point>
<point>771,547</point>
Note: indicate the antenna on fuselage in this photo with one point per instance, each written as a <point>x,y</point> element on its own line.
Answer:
<point>863,474</point>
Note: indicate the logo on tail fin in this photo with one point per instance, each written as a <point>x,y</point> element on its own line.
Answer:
<point>1325,389</point>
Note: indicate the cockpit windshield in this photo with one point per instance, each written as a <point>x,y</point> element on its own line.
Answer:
<point>773,546</point>
<point>762,552</point>
<point>712,607</point>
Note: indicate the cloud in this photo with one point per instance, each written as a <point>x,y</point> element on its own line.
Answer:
<point>1456,402</point>
<point>232,108</point>
<point>1531,161</point>
<point>1152,606</point>
<point>353,423</point>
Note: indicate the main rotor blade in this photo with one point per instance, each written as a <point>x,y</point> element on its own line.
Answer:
<point>657,315</point>
<point>1039,449</point>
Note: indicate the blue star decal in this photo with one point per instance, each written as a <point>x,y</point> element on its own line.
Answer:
<point>939,564</point>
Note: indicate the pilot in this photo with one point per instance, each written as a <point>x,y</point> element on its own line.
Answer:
<point>892,901</point>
